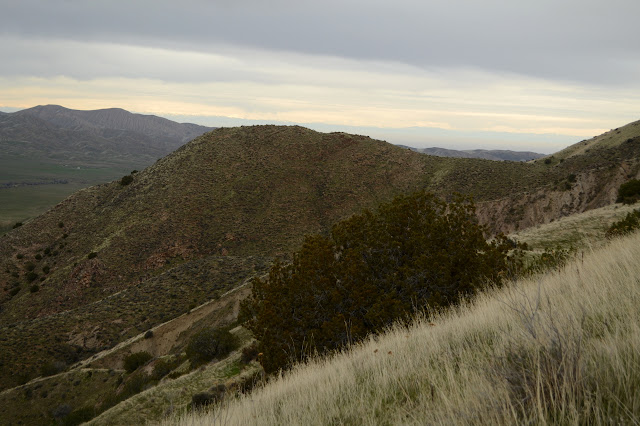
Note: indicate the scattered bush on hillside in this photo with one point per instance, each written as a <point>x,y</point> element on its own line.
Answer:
<point>208,344</point>
<point>625,226</point>
<point>79,416</point>
<point>373,268</point>
<point>31,276</point>
<point>135,384</point>
<point>136,360</point>
<point>126,180</point>
<point>249,353</point>
<point>50,368</point>
<point>629,192</point>
<point>164,366</point>
<point>17,225</point>
<point>551,258</point>
<point>92,255</point>
<point>213,395</point>
<point>34,288</point>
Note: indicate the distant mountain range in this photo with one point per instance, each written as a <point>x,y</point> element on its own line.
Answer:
<point>99,137</point>
<point>486,154</point>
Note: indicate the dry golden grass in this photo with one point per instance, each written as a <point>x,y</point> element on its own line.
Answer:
<point>563,348</point>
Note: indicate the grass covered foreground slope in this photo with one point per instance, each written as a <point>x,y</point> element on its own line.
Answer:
<point>556,349</point>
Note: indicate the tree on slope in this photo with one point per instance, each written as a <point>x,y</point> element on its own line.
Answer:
<point>374,268</point>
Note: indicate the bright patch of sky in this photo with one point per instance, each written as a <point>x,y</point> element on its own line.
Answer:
<point>527,75</point>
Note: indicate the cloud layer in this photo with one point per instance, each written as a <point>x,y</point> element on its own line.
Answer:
<point>568,68</point>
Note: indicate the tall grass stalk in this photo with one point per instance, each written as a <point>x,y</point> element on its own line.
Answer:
<point>563,348</point>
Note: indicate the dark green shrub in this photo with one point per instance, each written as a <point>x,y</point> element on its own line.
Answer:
<point>29,266</point>
<point>373,269</point>
<point>19,256</point>
<point>148,334</point>
<point>625,226</point>
<point>249,353</point>
<point>14,291</point>
<point>50,368</point>
<point>79,416</point>
<point>136,360</point>
<point>17,225</point>
<point>38,256</point>
<point>46,269</point>
<point>551,258</point>
<point>571,178</point>
<point>548,161</point>
<point>134,385</point>
<point>202,399</point>
<point>47,251</point>
<point>629,192</point>
<point>61,411</point>
<point>126,180</point>
<point>60,225</point>
<point>34,288</point>
<point>92,255</point>
<point>165,366</point>
<point>208,344</point>
<point>31,276</point>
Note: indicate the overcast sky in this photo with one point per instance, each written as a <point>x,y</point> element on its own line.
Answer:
<point>516,74</point>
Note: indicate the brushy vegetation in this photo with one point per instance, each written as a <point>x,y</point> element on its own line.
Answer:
<point>136,360</point>
<point>555,349</point>
<point>629,192</point>
<point>208,344</point>
<point>630,223</point>
<point>373,269</point>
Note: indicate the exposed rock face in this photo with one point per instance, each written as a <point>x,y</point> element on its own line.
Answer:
<point>589,191</point>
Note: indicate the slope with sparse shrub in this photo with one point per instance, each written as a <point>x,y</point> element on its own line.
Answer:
<point>555,349</point>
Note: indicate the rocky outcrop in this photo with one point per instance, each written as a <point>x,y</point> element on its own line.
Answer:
<point>585,191</point>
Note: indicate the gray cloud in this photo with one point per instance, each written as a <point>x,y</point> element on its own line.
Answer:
<point>586,41</point>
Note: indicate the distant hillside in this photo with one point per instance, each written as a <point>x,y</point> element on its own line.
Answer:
<point>161,130</point>
<point>113,260</point>
<point>49,152</point>
<point>486,154</point>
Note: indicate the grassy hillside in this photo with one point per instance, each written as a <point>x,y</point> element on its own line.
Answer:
<point>557,349</point>
<point>114,260</point>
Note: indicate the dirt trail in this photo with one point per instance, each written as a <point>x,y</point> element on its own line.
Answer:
<point>167,335</point>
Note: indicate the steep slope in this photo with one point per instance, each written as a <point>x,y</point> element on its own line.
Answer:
<point>113,260</point>
<point>578,179</point>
